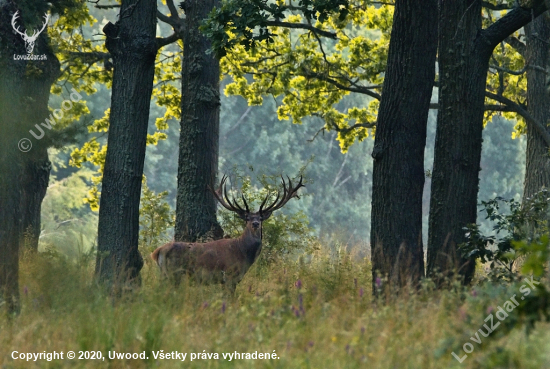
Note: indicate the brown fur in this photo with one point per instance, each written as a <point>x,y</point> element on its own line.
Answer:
<point>223,261</point>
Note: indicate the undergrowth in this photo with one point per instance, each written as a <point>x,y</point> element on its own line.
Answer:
<point>313,312</point>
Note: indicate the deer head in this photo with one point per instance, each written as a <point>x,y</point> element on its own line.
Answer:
<point>29,40</point>
<point>254,220</point>
<point>225,261</point>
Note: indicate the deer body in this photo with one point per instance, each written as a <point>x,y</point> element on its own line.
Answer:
<point>223,261</point>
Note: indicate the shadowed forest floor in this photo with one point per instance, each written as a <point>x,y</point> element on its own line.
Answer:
<point>314,313</point>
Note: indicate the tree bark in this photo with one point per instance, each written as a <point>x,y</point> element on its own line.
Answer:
<point>36,171</point>
<point>11,159</point>
<point>398,172</point>
<point>464,52</point>
<point>537,53</point>
<point>131,42</point>
<point>199,135</point>
<point>24,93</point>
<point>35,180</point>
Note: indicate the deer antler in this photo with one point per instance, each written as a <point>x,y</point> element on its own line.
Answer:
<point>221,195</point>
<point>47,18</point>
<point>288,193</point>
<point>15,27</point>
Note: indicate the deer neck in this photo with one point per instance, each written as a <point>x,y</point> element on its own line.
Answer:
<point>251,244</point>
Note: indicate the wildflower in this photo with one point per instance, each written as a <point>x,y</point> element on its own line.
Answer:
<point>474,293</point>
<point>298,284</point>
<point>489,309</point>
<point>361,291</point>
<point>26,290</point>
<point>223,307</point>
<point>378,282</point>
<point>205,305</point>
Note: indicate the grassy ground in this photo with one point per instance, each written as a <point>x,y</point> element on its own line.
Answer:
<point>317,313</point>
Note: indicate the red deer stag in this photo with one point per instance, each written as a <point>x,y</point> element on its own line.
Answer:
<point>223,261</point>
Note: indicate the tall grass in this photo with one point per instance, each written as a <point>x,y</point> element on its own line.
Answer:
<point>314,312</point>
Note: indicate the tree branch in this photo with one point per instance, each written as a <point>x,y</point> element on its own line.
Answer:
<point>107,6</point>
<point>90,57</point>
<point>511,22</point>
<point>521,71</point>
<point>168,20</point>
<point>532,122</point>
<point>161,42</point>
<point>488,107</point>
<point>276,23</point>
<point>173,10</point>
<point>488,5</point>
<point>516,44</point>
<point>358,89</point>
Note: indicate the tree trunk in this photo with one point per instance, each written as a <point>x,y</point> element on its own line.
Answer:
<point>131,42</point>
<point>12,76</point>
<point>35,179</point>
<point>199,135</point>
<point>36,171</point>
<point>464,52</point>
<point>537,54</point>
<point>398,172</point>
<point>24,92</point>
<point>11,164</point>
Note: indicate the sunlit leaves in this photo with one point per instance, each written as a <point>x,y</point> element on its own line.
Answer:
<point>311,74</point>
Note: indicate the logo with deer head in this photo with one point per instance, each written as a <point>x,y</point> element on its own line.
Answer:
<point>29,40</point>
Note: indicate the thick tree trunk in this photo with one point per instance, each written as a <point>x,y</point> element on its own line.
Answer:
<point>537,54</point>
<point>11,164</point>
<point>457,154</point>
<point>199,135</point>
<point>398,173</point>
<point>464,52</point>
<point>24,92</point>
<point>36,171</point>
<point>35,179</point>
<point>132,45</point>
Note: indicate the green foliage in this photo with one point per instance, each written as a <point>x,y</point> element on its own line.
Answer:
<point>537,255</point>
<point>283,235</point>
<point>79,44</point>
<point>286,309</point>
<point>525,234</point>
<point>500,254</point>
<point>68,225</point>
<point>312,66</point>
<point>236,21</point>
<point>155,217</point>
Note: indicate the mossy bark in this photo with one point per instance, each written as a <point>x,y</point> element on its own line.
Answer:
<point>24,92</point>
<point>199,134</point>
<point>398,172</point>
<point>131,42</point>
<point>464,52</point>
<point>537,55</point>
